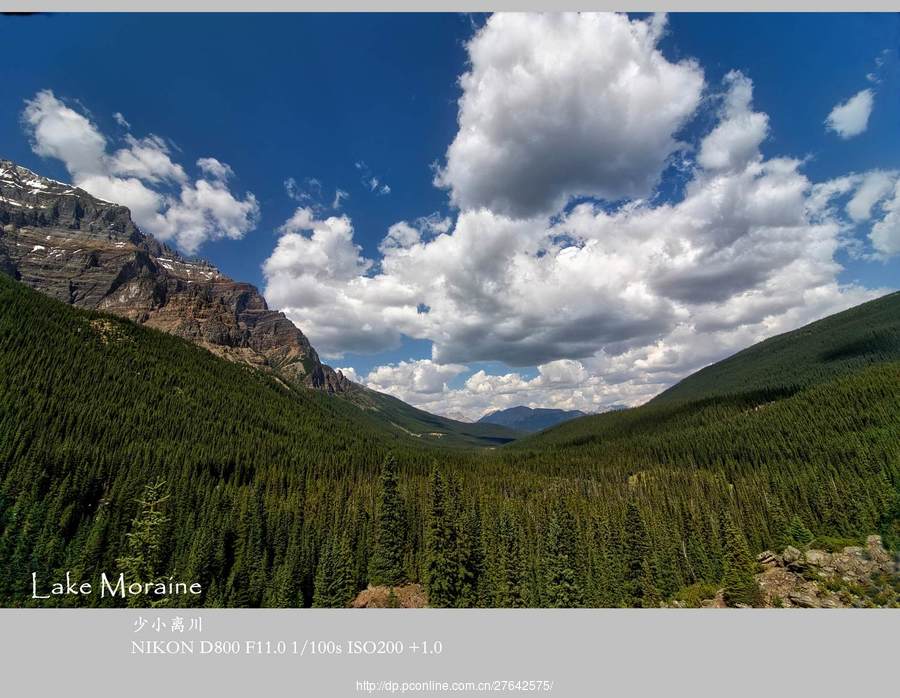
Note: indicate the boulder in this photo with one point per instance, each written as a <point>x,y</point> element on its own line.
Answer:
<point>791,555</point>
<point>768,558</point>
<point>404,596</point>
<point>803,599</point>
<point>818,558</point>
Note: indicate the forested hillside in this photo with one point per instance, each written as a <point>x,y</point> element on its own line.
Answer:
<point>430,428</point>
<point>866,334</point>
<point>122,448</point>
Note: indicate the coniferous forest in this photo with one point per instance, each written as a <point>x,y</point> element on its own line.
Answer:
<point>125,449</point>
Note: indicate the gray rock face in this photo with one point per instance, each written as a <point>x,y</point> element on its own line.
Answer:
<point>803,600</point>
<point>853,576</point>
<point>87,252</point>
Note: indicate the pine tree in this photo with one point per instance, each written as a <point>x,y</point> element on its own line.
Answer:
<point>739,582</point>
<point>562,587</point>
<point>140,564</point>
<point>441,567</point>
<point>471,558</point>
<point>636,552</point>
<point>798,534</point>
<point>779,523</point>
<point>606,581</point>
<point>322,591</point>
<point>386,563</point>
<point>507,563</point>
<point>334,583</point>
<point>650,593</point>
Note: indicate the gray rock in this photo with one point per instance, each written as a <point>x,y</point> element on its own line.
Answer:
<point>768,558</point>
<point>803,599</point>
<point>791,555</point>
<point>818,558</point>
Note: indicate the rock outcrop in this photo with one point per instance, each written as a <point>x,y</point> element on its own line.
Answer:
<point>403,596</point>
<point>87,252</point>
<point>852,577</point>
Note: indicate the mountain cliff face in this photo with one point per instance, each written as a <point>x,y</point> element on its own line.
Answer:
<point>87,252</point>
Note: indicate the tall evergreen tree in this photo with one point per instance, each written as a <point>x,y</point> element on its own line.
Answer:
<point>636,552</point>
<point>470,557</point>
<point>739,582</point>
<point>334,583</point>
<point>386,563</point>
<point>141,560</point>
<point>441,566</point>
<point>561,584</point>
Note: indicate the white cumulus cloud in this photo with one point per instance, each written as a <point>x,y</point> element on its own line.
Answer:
<point>851,118</point>
<point>611,305</point>
<point>141,175</point>
<point>885,235</point>
<point>736,139</point>
<point>560,105</point>
<point>421,378</point>
<point>215,169</point>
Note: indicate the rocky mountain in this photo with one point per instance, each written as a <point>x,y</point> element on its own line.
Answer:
<point>88,252</point>
<point>527,419</point>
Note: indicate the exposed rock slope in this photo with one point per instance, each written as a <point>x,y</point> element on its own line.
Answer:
<point>87,252</point>
<point>855,576</point>
<point>404,596</point>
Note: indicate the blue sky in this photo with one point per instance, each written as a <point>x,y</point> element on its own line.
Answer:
<point>274,96</point>
<point>346,99</point>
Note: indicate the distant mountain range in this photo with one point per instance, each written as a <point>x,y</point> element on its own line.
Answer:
<point>527,419</point>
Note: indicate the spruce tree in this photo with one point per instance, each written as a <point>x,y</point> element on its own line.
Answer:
<point>321,586</point>
<point>141,560</point>
<point>334,585</point>
<point>650,593</point>
<point>798,534</point>
<point>740,585</point>
<point>386,563</point>
<point>562,587</point>
<point>778,524</point>
<point>470,558</point>
<point>636,552</point>
<point>441,567</point>
<point>507,563</point>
